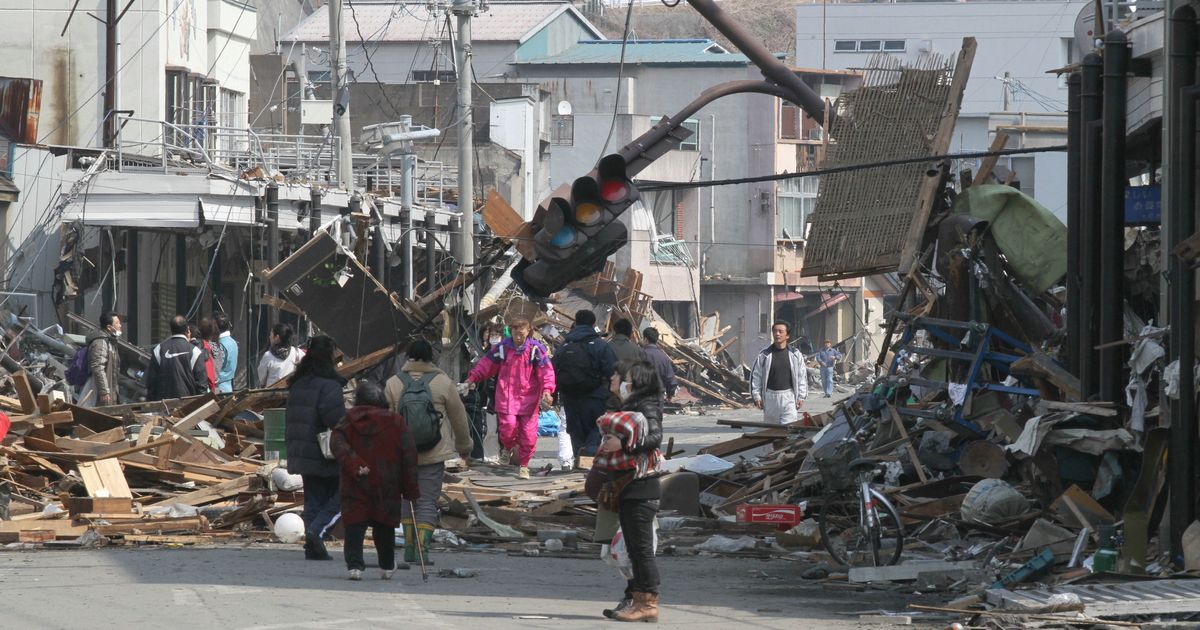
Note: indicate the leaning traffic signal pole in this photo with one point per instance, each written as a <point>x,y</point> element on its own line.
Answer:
<point>578,227</point>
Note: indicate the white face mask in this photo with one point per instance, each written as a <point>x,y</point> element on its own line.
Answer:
<point>495,340</point>
<point>116,333</point>
<point>624,391</point>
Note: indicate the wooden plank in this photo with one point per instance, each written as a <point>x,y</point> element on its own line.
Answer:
<point>189,422</point>
<point>121,452</point>
<point>908,447</point>
<point>104,477</point>
<point>1040,365</point>
<point>10,404</point>
<point>219,492</point>
<point>930,186</point>
<point>43,403</point>
<point>506,223</point>
<point>110,505</point>
<point>989,162</point>
<point>153,539</point>
<point>754,424</point>
<point>705,390</point>
<point>63,529</point>
<point>25,392</point>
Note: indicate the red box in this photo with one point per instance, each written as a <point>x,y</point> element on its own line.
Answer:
<point>785,516</point>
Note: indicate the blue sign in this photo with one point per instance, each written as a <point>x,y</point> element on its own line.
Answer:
<point>1143,205</point>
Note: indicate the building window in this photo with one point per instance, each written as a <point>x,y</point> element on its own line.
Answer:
<point>691,124</point>
<point>789,121</point>
<point>894,45</point>
<point>233,109</point>
<point>869,45</point>
<point>562,130</point>
<point>795,199</point>
<point>429,76</point>
<point>845,45</point>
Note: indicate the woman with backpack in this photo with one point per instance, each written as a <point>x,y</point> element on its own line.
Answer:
<point>524,378</point>
<point>437,420</point>
<point>314,405</point>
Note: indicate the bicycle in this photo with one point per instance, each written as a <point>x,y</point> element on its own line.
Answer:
<point>858,525</point>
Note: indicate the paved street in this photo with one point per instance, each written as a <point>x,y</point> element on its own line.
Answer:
<point>265,587</point>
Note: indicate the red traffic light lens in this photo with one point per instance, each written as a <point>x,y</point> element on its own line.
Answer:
<point>613,190</point>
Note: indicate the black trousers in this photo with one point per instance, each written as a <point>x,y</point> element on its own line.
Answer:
<point>582,412</point>
<point>385,545</point>
<point>637,526</point>
<point>322,503</point>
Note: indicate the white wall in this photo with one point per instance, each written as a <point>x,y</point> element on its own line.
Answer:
<point>231,31</point>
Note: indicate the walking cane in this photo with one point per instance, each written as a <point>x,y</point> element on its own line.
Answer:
<point>417,540</point>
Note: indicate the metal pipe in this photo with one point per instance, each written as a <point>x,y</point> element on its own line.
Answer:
<point>379,266</point>
<point>1089,213</point>
<point>130,325</point>
<point>772,68</point>
<point>314,211</point>
<point>430,252</point>
<point>1074,165</point>
<point>407,185</point>
<point>1183,45</point>
<point>341,98</point>
<point>1112,217</point>
<point>181,297</point>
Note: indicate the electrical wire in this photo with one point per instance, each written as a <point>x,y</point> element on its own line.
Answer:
<point>620,79</point>
<point>362,40</point>
<point>848,168</point>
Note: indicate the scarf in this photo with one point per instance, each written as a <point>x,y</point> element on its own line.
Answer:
<point>631,427</point>
<point>282,351</point>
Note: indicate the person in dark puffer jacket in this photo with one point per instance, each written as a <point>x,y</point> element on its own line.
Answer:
<point>315,404</point>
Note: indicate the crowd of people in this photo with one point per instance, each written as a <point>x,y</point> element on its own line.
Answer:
<point>379,464</point>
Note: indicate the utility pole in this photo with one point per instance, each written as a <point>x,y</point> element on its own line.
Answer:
<point>341,98</point>
<point>464,10</point>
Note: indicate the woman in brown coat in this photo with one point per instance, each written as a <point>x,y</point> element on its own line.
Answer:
<point>377,461</point>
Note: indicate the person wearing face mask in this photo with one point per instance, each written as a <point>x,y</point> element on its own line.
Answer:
<point>104,364</point>
<point>480,400</point>
<point>524,378</point>
<point>630,461</point>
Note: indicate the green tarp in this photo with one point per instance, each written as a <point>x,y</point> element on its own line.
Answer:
<point>1032,239</point>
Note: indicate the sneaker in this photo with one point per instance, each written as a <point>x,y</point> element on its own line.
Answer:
<point>506,456</point>
<point>386,575</point>
<point>523,473</point>
<point>567,465</point>
<point>355,575</point>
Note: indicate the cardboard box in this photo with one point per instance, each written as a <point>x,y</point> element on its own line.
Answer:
<point>784,516</point>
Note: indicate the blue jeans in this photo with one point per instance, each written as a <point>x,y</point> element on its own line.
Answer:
<point>827,379</point>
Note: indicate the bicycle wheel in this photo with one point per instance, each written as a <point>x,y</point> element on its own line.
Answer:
<point>857,539</point>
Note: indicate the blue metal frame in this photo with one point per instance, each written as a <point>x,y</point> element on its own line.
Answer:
<point>978,339</point>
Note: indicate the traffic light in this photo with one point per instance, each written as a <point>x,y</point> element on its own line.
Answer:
<point>576,230</point>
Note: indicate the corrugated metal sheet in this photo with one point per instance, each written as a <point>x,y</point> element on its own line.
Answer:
<point>666,51</point>
<point>1105,600</point>
<point>20,109</point>
<point>392,22</point>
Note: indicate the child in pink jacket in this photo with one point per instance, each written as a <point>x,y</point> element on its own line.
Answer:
<point>524,378</point>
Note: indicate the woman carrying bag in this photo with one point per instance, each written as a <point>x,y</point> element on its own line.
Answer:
<point>625,481</point>
<point>315,405</point>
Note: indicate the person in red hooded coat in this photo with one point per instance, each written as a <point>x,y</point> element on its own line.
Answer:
<point>377,462</point>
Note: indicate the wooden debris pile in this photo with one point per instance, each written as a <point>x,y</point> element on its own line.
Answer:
<point>186,466</point>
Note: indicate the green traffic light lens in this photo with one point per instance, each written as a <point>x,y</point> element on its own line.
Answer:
<point>564,237</point>
<point>587,213</point>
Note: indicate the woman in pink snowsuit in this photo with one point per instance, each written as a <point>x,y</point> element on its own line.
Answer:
<point>524,377</point>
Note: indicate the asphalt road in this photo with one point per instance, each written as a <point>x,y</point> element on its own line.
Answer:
<point>271,586</point>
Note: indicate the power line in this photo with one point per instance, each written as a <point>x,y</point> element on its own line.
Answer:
<point>620,79</point>
<point>843,169</point>
<point>363,41</point>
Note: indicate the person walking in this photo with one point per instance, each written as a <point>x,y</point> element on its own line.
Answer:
<point>623,346</point>
<point>779,378</point>
<point>176,367</point>
<point>524,378</point>
<point>200,335</point>
<point>661,362</point>
<point>281,359</point>
<point>630,458</point>
<point>480,400</point>
<point>583,367</point>
<point>378,463</point>
<point>227,365</point>
<point>419,386</point>
<point>826,358</point>
<point>103,364</point>
<point>314,405</point>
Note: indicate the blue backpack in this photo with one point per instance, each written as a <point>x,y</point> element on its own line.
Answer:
<point>77,372</point>
<point>548,423</point>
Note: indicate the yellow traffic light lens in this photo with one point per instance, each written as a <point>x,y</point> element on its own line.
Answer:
<point>587,213</point>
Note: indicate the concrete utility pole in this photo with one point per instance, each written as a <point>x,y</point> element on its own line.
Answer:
<point>464,10</point>
<point>343,150</point>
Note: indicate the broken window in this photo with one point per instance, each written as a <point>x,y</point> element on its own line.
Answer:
<point>795,199</point>
<point>789,121</point>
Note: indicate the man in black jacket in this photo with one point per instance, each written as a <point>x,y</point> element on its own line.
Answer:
<point>661,362</point>
<point>583,373</point>
<point>176,366</point>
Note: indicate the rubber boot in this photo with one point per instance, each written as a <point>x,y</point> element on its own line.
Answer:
<point>314,548</point>
<point>645,608</point>
<point>425,530</point>
<point>410,546</point>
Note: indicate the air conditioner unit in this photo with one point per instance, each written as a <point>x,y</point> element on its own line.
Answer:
<point>816,133</point>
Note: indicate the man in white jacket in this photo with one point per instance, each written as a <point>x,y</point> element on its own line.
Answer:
<point>779,378</point>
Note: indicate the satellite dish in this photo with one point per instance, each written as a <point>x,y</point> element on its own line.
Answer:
<point>564,108</point>
<point>1085,31</point>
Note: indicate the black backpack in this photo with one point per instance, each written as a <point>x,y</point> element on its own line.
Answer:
<point>574,372</point>
<point>416,405</point>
